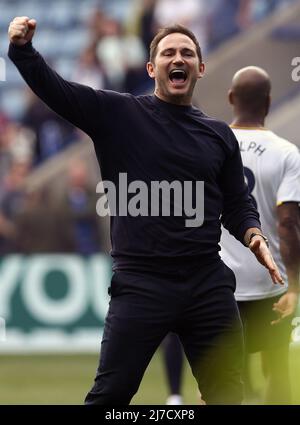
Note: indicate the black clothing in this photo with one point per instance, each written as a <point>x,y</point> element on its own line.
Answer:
<point>168,277</point>
<point>152,140</point>
<point>195,302</point>
<point>260,335</point>
<point>173,359</point>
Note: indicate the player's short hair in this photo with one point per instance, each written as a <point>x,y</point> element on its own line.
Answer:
<point>254,97</point>
<point>176,28</point>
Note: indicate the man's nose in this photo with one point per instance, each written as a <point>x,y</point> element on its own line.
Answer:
<point>178,59</point>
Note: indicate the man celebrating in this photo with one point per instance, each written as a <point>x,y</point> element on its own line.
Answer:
<point>168,276</point>
<point>272,168</point>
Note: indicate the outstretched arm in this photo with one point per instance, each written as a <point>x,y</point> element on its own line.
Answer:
<point>289,236</point>
<point>78,104</point>
<point>261,250</point>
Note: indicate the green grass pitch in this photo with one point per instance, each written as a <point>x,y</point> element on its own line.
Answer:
<point>65,379</point>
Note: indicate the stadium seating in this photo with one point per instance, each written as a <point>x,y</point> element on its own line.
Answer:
<point>61,35</point>
<point>259,47</point>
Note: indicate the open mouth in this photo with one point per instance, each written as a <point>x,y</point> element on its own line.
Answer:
<point>178,76</point>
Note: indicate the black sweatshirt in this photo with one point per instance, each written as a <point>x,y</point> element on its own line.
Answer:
<point>152,140</point>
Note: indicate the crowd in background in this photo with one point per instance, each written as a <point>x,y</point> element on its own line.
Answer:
<point>113,57</point>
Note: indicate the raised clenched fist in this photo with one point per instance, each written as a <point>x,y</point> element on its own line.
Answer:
<point>21,30</point>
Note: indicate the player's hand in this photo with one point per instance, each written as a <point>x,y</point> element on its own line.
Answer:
<point>21,30</point>
<point>259,248</point>
<point>285,306</point>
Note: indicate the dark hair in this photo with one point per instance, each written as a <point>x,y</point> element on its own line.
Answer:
<point>176,28</point>
<point>253,97</point>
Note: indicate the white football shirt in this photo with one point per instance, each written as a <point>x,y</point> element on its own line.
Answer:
<point>272,170</point>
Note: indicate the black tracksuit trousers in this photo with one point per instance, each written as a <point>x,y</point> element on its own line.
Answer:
<point>193,300</point>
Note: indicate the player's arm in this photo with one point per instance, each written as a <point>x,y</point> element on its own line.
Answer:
<point>289,236</point>
<point>7,228</point>
<point>75,102</point>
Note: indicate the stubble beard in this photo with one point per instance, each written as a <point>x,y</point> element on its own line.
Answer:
<point>184,98</point>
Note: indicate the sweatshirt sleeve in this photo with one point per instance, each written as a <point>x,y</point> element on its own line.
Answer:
<point>239,212</point>
<point>80,105</point>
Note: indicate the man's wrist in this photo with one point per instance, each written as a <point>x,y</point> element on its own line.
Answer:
<point>253,234</point>
<point>26,47</point>
<point>249,232</point>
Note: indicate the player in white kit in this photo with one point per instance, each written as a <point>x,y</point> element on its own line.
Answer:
<point>272,171</point>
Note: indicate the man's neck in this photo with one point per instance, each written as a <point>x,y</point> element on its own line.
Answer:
<point>247,121</point>
<point>175,100</point>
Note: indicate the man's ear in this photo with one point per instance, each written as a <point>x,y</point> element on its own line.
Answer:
<point>230,97</point>
<point>268,104</point>
<point>150,70</point>
<point>201,70</point>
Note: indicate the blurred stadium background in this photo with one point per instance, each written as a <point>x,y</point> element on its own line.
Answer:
<point>55,265</point>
